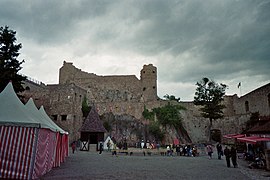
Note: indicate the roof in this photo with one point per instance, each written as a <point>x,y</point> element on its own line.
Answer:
<point>33,111</point>
<point>253,139</point>
<point>92,123</point>
<point>265,128</point>
<point>45,115</point>
<point>12,110</point>
<point>231,136</point>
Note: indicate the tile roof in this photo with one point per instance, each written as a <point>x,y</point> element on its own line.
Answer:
<point>92,123</point>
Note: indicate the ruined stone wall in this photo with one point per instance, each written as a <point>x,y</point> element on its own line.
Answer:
<point>255,101</point>
<point>128,95</point>
<point>61,102</point>
<point>38,92</point>
<point>112,88</point>
<point>65,107</point>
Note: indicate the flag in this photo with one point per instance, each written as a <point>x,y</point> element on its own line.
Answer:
<point>239,84</point>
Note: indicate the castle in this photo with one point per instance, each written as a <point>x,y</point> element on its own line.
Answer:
<point>128,95</point>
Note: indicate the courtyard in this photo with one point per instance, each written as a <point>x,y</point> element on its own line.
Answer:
<point>91,165</point>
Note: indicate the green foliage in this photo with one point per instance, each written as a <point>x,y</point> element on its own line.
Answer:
<point>171,98</point>
<point>9,65</point>
<point>154,129</point>
<point>165,116</point>
<point>210,95</point>
<point>147,114</point>
<point>169,115</point>
<point>85,107</point>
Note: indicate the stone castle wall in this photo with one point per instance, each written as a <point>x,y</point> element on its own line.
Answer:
<point>112,88</point>
<point>128,95</point>
<point>255,101</point>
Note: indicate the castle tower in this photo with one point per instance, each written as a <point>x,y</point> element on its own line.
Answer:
<point>149,82</point>
<point>66,73</point>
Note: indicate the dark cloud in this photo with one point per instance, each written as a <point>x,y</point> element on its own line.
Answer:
<point>227,40</point>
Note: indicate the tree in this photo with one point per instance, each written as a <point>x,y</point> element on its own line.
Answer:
<point>85,107</point>
<point>9,65</point>
<point>171,98</point>
<point>166,116</point>
<point>210,96</point>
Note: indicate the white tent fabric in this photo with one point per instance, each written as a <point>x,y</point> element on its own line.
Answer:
<point>45,115</point>
<point>106,141</point>
<point>27,135</point>
<point>32,109</point>
<point>12,110</point>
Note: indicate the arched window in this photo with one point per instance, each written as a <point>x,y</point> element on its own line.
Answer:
<point>247,106</point>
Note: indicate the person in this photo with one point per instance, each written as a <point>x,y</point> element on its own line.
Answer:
<point>114,150</point>
<point>189,150</point>
<point>227,154</point>
<point>181,150</point>
<point>194,151</point>
<point>100,147</point>
<point>109,145</point>
<point>177,150</point>
<point>234,156</point>
<point>168,150</point>
<point>142,144</point>
<point>73,146</point>
<point>209,150</point>
<point>125,147</point>
<point>219,150</point>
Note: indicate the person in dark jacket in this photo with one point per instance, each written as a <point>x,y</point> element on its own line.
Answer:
<point>234,156</point>
<point>219,150</point>
<point>100,147</point>
<point>227,154</point>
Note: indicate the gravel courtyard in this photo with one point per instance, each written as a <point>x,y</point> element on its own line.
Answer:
<point>91,165</point>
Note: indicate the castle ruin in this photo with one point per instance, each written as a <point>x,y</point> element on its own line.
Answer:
<point>128,95</point>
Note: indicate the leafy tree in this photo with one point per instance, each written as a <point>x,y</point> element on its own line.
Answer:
<point>154,128</point>
<point>210,96</point>
<point>147,114</point>
<point>171,98</point>
<point>169,115</point>
<point>85,107</point>
<point>9,65</point>
<point>165,116</point>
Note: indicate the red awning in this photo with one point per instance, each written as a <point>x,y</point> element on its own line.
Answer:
<point>230,136</point>
<point>253,139</point>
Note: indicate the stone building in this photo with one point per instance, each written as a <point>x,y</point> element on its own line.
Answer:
<point>128,95</point>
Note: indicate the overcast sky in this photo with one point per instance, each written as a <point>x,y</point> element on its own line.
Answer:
<point>225,40</point>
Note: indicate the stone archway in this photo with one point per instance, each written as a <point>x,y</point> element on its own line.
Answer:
<point>216,135</point>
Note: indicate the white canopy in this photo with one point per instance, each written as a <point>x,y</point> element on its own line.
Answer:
<point>12,110</point>
<point>45,115</point>
<point>32,109</point>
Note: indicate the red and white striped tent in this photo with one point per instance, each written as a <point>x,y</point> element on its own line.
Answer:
<point>27,142</point>
<point>61,139</point>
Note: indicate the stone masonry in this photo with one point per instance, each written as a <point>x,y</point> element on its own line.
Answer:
<point>126,94</point>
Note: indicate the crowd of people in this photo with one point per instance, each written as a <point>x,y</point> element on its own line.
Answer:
<point>189,150</point>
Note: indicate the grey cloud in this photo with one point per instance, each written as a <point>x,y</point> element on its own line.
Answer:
<point>189,38</point>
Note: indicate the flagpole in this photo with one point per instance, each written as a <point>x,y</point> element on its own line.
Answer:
<point>240,90</point>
